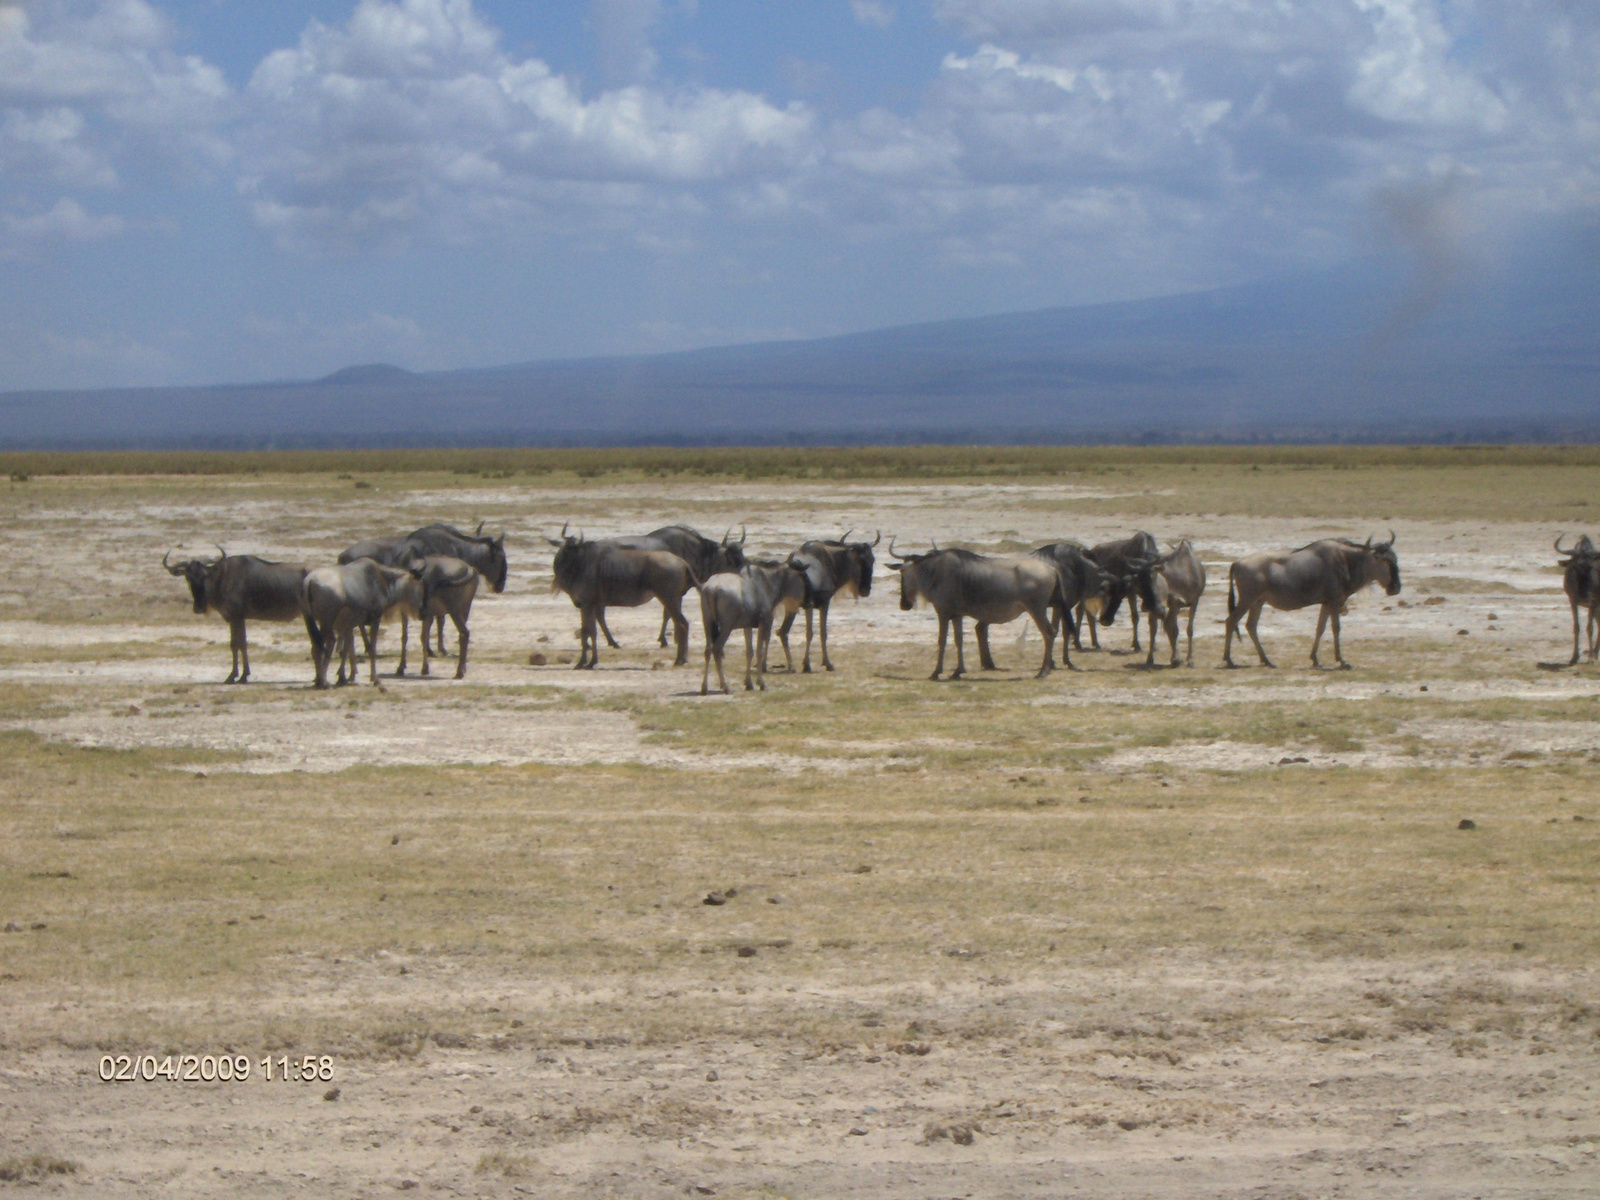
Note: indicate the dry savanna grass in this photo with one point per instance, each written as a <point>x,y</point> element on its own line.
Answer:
<point>1124,931</point>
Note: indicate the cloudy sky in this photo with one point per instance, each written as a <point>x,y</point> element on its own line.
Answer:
<point>222,190</point>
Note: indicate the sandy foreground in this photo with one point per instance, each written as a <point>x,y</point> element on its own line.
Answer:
<point>1115,933</point>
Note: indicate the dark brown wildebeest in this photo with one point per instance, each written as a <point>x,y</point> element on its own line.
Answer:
<point>747,599</point>
<point>486,555</point>
<point>1580,579</point>
<point>339,601</point>
<point>1121,559</point>
<point>1169,585</point>
<point>1326,573</point>
<point>705,558</point>
<point>598,574</point>
<point>832,567</point>
<point>449,585</point>
<point>992,591</point>
<point>1085,586</point>
<point>241,588</point>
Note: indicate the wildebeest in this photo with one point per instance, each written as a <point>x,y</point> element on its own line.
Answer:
<point>1085,585</point>
<point>704,556</point>
<point>1580,579</point>
<point>831,567</point>
<point>1172,583</point>
<point>1327,573</point>
<point>339,601</point>
<point>747,600</point>
<point>1121,559</point>
<point>486,555</point>
<point>240,588</point>
<point>449,586</point>
<point>992,591</point>
<point>598,574</point>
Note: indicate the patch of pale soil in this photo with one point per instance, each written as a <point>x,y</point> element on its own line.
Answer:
<point>1173,1077</point>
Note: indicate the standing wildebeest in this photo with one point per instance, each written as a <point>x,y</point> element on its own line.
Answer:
<point>747,600</point>
<point>240,588</point>
<point>831,567</point>
<point>1581,581</point>
<point>992,591</point>
<point>449,586</point>
<point>1121,559</point>
<point>1085,585</point>
<point>1328,573</point>
<point>1171,583</point>
<point>486,555</point>
<point>705,558</point>
<point>338,601</point>
<point>598,574</point>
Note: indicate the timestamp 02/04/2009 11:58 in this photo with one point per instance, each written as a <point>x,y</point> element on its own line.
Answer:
<point>213,1068</point>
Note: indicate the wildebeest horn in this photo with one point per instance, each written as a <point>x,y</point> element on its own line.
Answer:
<point>555,541</point>
<point>564,525</point>
<point>742,535</point>
<point>478,532</point>
<point>220,551</point>
<point>891,551</point>
<point>171,570</point>
<point>847,533</point>
<point>878,537</point>
<point>1390,542</point>
<point>1559,550</point>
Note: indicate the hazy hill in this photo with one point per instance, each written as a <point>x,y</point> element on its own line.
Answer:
<point>1345,355</point>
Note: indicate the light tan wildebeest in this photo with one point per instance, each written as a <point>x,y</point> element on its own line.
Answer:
<point>449,585</point>
<point>1171,584</point>
<point>1326,573</point>
<point>747,599</point>
<point>992,591</point>
<point>599,574</point>
<point>338,601</point>
<point>1580,579</point>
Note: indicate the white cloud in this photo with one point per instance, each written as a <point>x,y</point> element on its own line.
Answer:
<point>873,12</point>
<point>67,221</point>
<point>623,28</point>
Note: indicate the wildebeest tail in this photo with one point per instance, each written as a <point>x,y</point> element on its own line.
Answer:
<point>1233,594</point>
<point>312,630</point>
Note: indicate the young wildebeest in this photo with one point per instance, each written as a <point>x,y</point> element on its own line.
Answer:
<point>486,556</point>
<point>598,574</point>
<point>746,600</point>
<point>1170,584</point>
<point>1085,585</point>
<point>1581,581</point>
<point>449,585</point>
<point>338,601</point>
<point>992,591</point>
<point>1120,558</point>
<point>1327,573</point>
<point>831,567</point>
<point>240,588</point>
<point>705,558</point>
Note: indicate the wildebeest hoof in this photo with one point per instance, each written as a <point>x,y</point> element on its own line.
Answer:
<point>934,677</point>
<point>805,668</point>
<point>1344,666</point>
<point>1229,665</point>
<point>827,666</point>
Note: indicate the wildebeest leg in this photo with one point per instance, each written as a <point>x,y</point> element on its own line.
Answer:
<point>661,638</point>
<point>1322,623</point>
<point>1149,659</point>
<point>985,660</point>
<point>405,636</point>
<point>1250,627</point>
<point>1572,662</point>
<point>587,638</point>
<point>961,651</point>
<point>1172,634</point>
<point>1047,630</point>
<point>439,621</point>
<point>783,636</point>
<point>1094,632</point>
<point>763,644</point>
<point>463,637</point>
<point>369,635</point>
<point>705,675</point>
<point>1594,631</point>
<point>822,610</point>
<point>749,658</point>
<point>805,660</point>
<point>605,629</point>
<point>944,632</point>
<point>1189,661</point>
<point>1338,655</point>
<point>680,628</point>
<point>1133,611</point>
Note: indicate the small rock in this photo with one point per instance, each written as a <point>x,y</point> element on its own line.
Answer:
<point>658,665</point>
<point>1462,633</point>
<point>1296,759</point>
<point>858,1132</point>
<point>747,951</point>
<point>711,1077</point>
<point>476,1108</point>
<point>714,899</point>
<point>701,1189</point>
<point>199,774</point>
<point>1519,946</point>
<point>37,926</point>
<point>1423,688</point>
<point>537,660</point>
<point>395,840</point>
<point>774,899</point>
<point>331,1094</point>
<point>1128,1123</point>
<point>543,637</point>
<point>863,869</point>
<point>405,970</point>
<point>1467,823</point>
<point>407,1184</point>
<point>13,927</point>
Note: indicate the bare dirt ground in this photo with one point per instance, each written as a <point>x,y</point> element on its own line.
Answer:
<point>1117,933</point>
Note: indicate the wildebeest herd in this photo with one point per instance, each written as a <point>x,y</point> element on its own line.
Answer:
<point>1064,587</point>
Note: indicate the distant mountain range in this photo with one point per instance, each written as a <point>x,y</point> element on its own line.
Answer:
<point>1346,355</point>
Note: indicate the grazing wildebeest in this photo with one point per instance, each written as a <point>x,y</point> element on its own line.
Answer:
<point>449,585</point>
<point>1580,579</point>
<point>1170,584</point>
<point>599,574</point>
<point>747,600</point>
<point>241,588</point>
<point>992,591</point>
<point>339,601</point>
<point>831,567</point>
<point>1121,558</point>
<point>1085,585</point>
<point>486,555</point>
<point>705,558</point>
<point>1328,573</point>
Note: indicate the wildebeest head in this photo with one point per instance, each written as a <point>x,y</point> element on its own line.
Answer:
<point>1386,567</point>
<point>1583,548</point>
<point>200,575</point>
<point>861,561</point>
<point>730,554</point>
<point>565,566</point>
<point>909,566</point>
